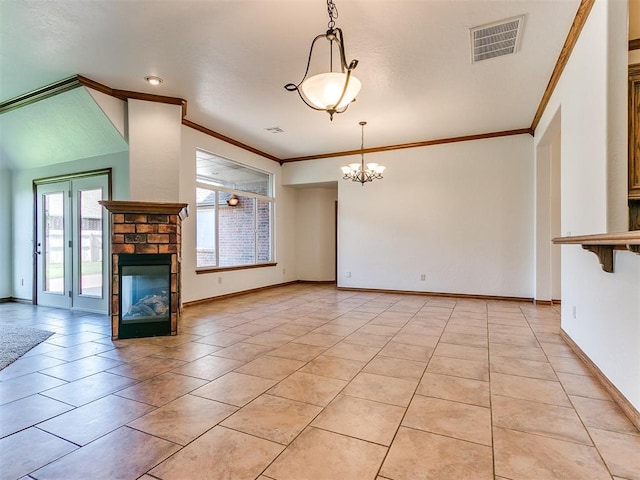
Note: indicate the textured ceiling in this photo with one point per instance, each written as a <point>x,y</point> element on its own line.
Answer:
<point>231,59</point>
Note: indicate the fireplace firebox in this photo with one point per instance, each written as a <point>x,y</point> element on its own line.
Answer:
<point>145,295</point>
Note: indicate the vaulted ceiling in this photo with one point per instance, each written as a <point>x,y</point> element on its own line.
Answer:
<point>231,59</point>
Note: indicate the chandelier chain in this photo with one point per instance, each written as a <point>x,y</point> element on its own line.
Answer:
<point>333,14</point>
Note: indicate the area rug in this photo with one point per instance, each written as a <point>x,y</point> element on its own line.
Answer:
<point>16,341</point>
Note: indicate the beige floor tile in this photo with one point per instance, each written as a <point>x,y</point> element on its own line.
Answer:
<point>162,389</point>
<point>419,328</point>
<point>396,367</point>
<point>457,389</point>
<point>110,457</point>
<point>147,367</point>
<point>416,454</point>
<point>461,351</point>
<point>467,330</point>
<point>235,388</point>
<point>209,367</point>
<point>350,351</point>
<point>222,339</point>
<point>364,419</point>
<point>319,339</point>
<point>517,351</point>
<point>84,367</point>
<point>582,386</point>
<point>407,352</point>
<point>184,419</point>
<point>273,418</point>
<point>103,416</point>
<point>453,419</point>
<point>308,388</point>
<point>464,339</point>
<point>26,365</point>
<point>333,367</point>
<point>298,351</point>
<point>221,453</point>
<point>568,365</point>
<point>336,329</point>
<point>379,388</point>
<point>513,339</point>
<point>275,368</point>
<point>291,329</point>
<point>320,455</point>
<point>15,463</point>
<point>132,350</point>
<point>557,349</point>
<point>26,385</point>
<point>621,452</point>
<point>523,368</point>
<point>249,329</point>
<point>534,389</point>
<point>242,351</point>
<point>384,330</point>
<point>188,352</point>
<point>602,414</point>
<point>270,339</point>
<point>458,367</point>
<point>89,388</point>
<point>533,457</point>
<point>542,419</point>
<point>419,340</point>
<point>28,411</point>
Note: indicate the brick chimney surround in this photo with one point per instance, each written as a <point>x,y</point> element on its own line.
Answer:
<point>147,228</point>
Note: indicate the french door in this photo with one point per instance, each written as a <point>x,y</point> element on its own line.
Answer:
<point>72,244</point>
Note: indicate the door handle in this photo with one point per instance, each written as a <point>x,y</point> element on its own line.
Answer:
<point>38,252</point>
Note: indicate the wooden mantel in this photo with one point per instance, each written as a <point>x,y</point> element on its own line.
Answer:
<point>603,245</point>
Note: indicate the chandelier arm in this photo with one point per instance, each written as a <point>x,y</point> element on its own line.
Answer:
<point>343,57</point>
<point>299,91</point>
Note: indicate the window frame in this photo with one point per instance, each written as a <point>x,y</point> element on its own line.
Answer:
<point>203,182</point>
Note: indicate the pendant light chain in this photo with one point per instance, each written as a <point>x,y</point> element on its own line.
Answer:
<point>333,14</point>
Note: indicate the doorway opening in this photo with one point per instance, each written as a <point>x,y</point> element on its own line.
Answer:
<point>548,213</point>
<point>71,252</point>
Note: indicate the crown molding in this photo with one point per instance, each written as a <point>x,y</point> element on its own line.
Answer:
<point>572,37</point>
<point>425,143</point>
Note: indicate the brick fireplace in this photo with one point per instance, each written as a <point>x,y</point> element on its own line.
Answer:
<point>145,266</point>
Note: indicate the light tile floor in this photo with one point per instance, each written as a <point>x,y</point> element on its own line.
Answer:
<point>307,382</point>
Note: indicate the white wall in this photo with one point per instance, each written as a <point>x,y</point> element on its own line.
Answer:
<point>154,150</point>
<point>607,322</point>
<point>315,233</point>
<point>460,213</point>
<point>5,233</point>
<point>22,209</point>
<point>206,285</point>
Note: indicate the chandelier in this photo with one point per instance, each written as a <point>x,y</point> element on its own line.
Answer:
<point>359,172</point>
<point>331,92</point>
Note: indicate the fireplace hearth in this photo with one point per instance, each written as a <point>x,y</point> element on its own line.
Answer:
<point>145,253</point>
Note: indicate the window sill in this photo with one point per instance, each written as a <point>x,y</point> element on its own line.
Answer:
<point>229,269</point>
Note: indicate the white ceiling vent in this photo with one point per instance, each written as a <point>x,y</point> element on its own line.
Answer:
<point>495,39</point>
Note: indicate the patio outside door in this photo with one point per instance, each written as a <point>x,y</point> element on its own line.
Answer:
<point>72,244</point>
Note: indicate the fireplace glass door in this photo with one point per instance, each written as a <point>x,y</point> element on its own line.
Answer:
<point>145,295</point>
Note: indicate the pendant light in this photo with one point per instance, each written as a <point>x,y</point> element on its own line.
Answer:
<point>331,91</point>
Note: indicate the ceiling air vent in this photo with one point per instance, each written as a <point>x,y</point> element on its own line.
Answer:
<point>495,39</point>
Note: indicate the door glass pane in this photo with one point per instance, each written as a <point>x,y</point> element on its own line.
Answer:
<point>53,248</point>
<point>90,236</point>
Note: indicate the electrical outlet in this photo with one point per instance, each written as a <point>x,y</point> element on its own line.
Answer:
<point>219,279</point>
<point>574,311</point>
<point>423,277</point>
<point>348,274</point>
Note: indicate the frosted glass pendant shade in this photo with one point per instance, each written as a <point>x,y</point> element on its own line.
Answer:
<point>324,90</point>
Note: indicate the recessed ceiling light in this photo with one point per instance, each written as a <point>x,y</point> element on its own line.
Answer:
<point>153,80</point>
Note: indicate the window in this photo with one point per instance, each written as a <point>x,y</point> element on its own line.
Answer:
<point>231,235</point>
